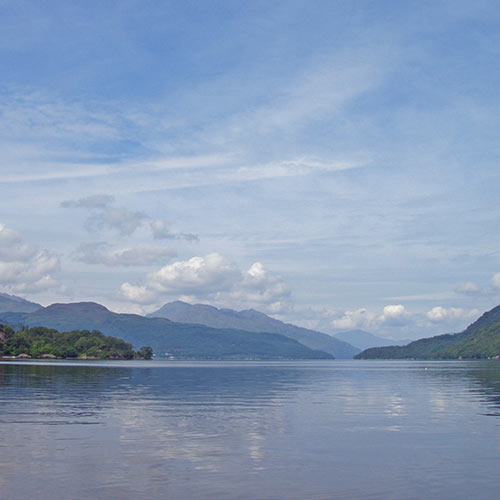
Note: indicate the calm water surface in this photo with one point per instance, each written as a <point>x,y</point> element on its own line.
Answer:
<point>305,430</point>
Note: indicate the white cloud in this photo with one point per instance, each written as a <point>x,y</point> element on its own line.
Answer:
<point>259,287</point>
<point>142,255</point>
<point>212,279</point>
<point>396,320</point>
<point>359,318</point>
<point>12,246</point>
<point>138,294</point>
<point>198,275</point>
<point>395,315</point>
<point>439,314</point>
<point>392,315</point>
<point>495,280</point>
<point>25,268</point>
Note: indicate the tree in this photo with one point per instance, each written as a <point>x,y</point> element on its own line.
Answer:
<point>145,352</point>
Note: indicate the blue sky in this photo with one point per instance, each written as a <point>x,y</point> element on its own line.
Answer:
<point>333,163</point>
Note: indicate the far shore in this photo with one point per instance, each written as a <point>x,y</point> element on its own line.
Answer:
<point>50,357</point>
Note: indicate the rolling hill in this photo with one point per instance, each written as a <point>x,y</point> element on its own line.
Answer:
<point>253,321</point>
<point>479,340</point>
<point>167,338</point>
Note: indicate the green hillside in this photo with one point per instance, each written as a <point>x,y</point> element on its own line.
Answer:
<point>178,340</point>
<point>479,340</point>
<point>41,342</point>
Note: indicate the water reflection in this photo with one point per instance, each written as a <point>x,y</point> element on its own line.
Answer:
<point>486,377</point>
<point>249,430</point>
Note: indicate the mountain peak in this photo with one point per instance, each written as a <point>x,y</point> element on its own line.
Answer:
<point>86,307</point>
<point>13,303</point>
<point>253,321</point>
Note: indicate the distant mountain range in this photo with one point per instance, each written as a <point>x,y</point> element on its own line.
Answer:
<point>167,338</point>
<point>253,321</point>
<point>363,340</point>
<point>12,303</point>
<point>481,339</point>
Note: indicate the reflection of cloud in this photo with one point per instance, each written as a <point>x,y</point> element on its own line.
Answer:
<point>439,404</point>
<point>256,448</point>
<point>172,428</point>
<point>395,406</point>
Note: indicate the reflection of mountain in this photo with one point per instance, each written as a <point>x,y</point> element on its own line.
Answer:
<point>249,430</point>
<point>82,383</point>
<point>164,336</point>
<point>479,377</point>
<point>487,375</point>
<point>253,321</point>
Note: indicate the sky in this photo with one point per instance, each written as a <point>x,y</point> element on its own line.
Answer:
<point>334,164</point>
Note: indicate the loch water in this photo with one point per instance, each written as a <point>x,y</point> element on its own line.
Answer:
<point>250,430</point>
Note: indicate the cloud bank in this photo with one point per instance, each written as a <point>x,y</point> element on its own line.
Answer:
<point>25,268</point>
<point>213,279</point>
<point>397,317</point>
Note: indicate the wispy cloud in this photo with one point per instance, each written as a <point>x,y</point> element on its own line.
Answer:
<point>85,139</point>
<point>95,201</point>
<point>104,254</point>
